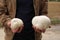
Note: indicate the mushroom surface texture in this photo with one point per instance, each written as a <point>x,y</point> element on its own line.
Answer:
<point>41,22</point>
<point>16,23</point>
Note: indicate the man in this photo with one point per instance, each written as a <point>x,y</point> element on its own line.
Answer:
<point>26,10</point>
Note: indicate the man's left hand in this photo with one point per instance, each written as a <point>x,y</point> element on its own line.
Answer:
<point>39,30</point>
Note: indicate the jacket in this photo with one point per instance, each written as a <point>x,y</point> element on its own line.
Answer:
<point>8,11</point>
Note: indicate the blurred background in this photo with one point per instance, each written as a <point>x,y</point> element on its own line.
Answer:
<point>54,11</point>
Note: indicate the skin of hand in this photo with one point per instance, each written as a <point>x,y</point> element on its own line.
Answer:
<point>39,30</point>
<point>18,30</point>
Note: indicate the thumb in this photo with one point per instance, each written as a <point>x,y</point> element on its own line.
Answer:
<point>9,23</point>
<point>14,30</point>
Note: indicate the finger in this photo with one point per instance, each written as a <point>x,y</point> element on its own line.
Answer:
<point>14,31</point>
<point>9,24</point>
<point>20,29</point>
<point>34,28</point>
<point>38,30</point>
<point>43,30</point>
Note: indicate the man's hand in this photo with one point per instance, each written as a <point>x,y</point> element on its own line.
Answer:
<point>39,30</point>
<point>18,30</point>
<point>15,30</point>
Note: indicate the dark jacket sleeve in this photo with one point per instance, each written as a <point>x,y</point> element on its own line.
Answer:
<point>43,7</point>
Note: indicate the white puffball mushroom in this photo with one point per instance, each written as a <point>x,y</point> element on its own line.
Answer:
<point>41,22</point>
<point>16,23</point>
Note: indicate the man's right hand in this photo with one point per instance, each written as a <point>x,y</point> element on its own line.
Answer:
<point>15,30</point>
